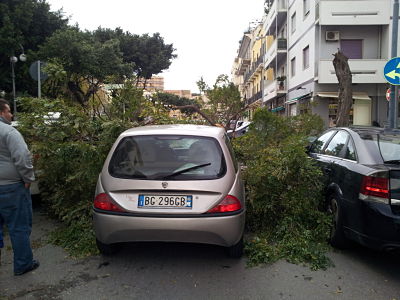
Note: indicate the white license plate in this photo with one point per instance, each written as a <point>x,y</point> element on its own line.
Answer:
<point>165,201</point>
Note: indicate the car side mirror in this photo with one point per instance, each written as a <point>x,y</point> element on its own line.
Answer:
<point>308,149</point>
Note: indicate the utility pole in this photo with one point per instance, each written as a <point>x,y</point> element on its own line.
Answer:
<point>394,93</point>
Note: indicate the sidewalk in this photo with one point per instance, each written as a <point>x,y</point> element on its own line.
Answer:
<point>57,271</point>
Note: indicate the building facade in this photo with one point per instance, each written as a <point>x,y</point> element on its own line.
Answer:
<point>301,37</point>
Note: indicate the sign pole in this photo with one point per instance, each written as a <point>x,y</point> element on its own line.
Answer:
<point>393,113</point>
<point>39,83</point>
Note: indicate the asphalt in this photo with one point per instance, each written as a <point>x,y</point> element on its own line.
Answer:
<point>181,271</point>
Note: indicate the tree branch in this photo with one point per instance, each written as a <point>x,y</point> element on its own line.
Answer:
<point>195,108</point>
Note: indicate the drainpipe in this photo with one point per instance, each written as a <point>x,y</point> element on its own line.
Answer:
<point>394,94</point>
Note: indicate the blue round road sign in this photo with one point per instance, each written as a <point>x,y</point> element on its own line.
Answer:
<point>391,71</point>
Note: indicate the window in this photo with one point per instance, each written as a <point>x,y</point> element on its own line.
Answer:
<point>350,152</point>
<point>293,109</point>
<point>306,8</point>
<point>154,157</point>
<point>319,144</point>
<point>351,48</point>
<point>293,22</point>
<point>337,143</point>
<point>306,57</point>
<point>293,66</point>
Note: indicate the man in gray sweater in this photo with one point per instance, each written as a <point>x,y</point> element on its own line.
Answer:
<point>16,175</point>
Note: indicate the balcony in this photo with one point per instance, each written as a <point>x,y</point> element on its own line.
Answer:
<point>274,88</point>
<point>350,12</point>
<point>254,98</point>
<point>363,70</point>
<point>278,48</point>
<point>256,68</point>
<point>277,13</point>
<point>242,65</point>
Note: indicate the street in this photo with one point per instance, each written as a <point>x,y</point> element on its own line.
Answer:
<point>181,271</point>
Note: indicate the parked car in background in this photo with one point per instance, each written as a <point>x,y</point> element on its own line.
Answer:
<point>362,172</point>
<point>241,128</point>
<point>170,183</point>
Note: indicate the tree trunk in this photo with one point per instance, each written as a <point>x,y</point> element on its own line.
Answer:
<point>196,109</point>
<point>345,100</point>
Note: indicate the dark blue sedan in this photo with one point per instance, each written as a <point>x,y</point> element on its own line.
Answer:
<point>362,172</point>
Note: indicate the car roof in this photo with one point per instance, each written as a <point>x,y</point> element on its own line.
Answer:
<point>372,130</point>
<point>172,129</point>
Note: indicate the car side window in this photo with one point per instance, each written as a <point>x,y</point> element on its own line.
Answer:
<point>319,143</point>
<point>350,150</point>
<point>336,144</point>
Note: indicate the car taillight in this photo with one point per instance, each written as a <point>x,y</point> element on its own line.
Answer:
<point>104,202</point>
<point>229,204</point>
<point>375,186</point>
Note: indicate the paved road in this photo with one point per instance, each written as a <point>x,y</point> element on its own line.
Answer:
<point>176,271</point>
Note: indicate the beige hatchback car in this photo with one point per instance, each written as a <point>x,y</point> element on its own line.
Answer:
<point>170,183</point>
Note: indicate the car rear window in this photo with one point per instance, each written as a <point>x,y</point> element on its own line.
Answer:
<point>168,157</point>
<point>388,145</point>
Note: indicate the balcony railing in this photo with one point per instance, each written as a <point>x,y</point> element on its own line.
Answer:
<point>282,44</point>
<point>273,88</point>
<point>255,66</point>
<point>254,98</point>
<point>363,71</point>
<point>354,12</point>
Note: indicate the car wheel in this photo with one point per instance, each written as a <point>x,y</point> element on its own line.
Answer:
<point>107,249</point>
<point>236,251</point>
<point>337,237</point>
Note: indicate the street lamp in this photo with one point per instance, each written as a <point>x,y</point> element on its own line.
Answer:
<point>13,61</point>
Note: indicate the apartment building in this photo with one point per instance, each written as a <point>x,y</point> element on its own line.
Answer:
<point>155,83</point>
<point>248,68</point>
<point>180,93</point>
<point>301,37</point>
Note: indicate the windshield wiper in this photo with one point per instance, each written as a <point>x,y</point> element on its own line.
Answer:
<point>186,170</point>
<point>393,161</point>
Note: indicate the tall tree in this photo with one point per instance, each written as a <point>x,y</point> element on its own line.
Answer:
<point>24,25</point>
<point>148,55</point>
<point>87,62</point>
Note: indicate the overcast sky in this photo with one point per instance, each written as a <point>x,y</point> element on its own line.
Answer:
<point>205,33</point>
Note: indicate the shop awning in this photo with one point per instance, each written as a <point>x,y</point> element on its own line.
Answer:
<point>277,108</point>
<point>302,97</point>
<point>356,95</point>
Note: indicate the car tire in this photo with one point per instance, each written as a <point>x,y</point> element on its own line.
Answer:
<point>107,249</point>
<point>337,237</point>
<point>236,251</point>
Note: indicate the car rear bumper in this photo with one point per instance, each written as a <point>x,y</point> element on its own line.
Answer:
<point>381,227</point>
<point>222,230</point>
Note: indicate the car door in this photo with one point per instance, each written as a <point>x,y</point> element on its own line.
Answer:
<point>317,153</point>
<point>334,153</point>
<point>340,172</point>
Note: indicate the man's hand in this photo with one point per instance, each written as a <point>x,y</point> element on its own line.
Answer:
<point>27,185</point>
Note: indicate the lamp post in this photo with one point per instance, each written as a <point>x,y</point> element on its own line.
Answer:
<point>13,61</point>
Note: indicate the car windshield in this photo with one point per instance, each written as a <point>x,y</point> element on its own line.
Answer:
<point>168,157</point>
<point>388,145</point>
